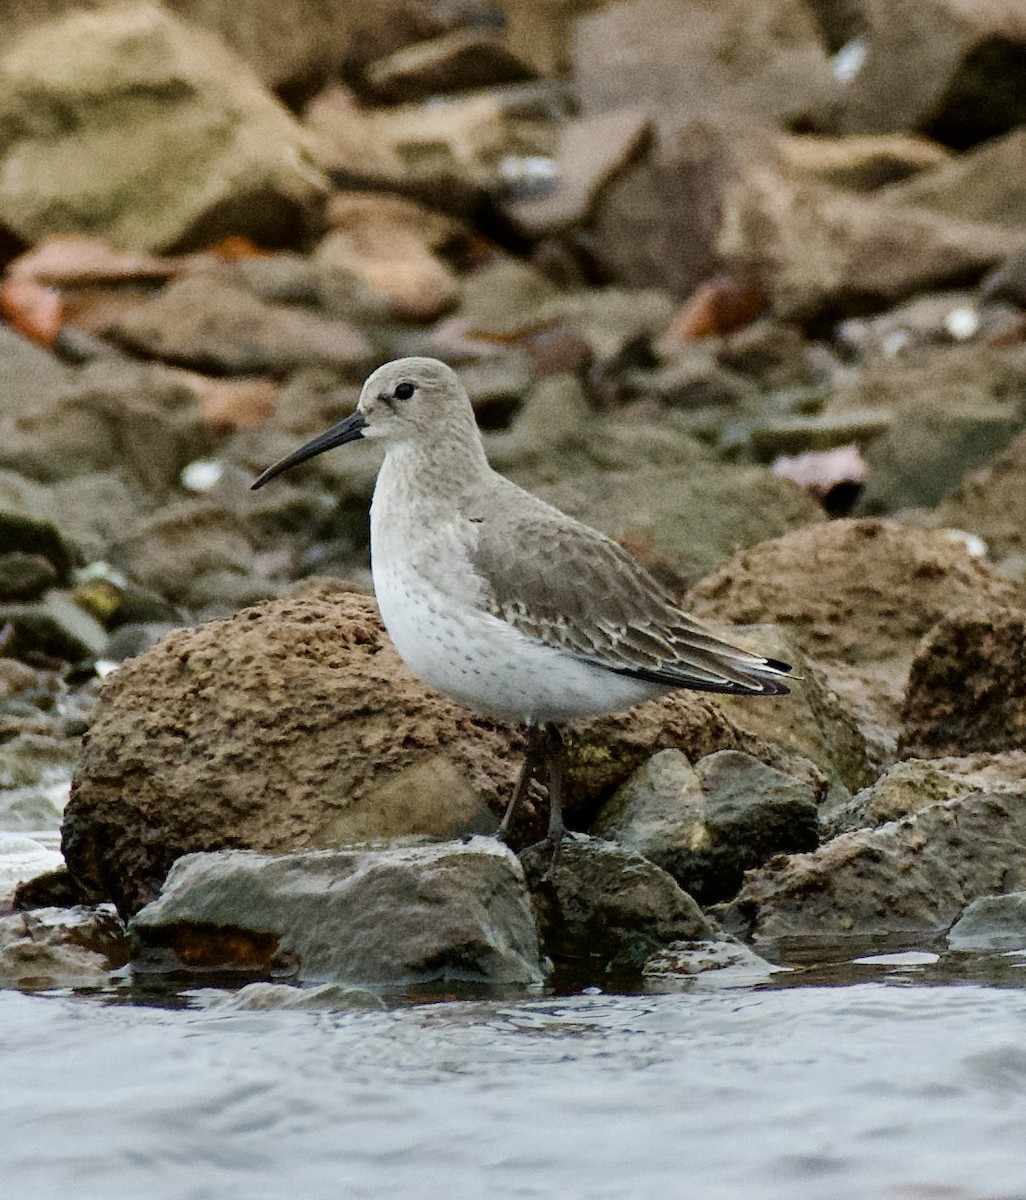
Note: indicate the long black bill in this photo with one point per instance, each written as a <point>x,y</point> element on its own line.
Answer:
<point>347,430</point>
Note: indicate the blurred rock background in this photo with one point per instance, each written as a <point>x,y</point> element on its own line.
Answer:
<point>729,279</point>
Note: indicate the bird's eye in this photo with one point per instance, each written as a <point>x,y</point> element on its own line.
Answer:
<point>404,391</point>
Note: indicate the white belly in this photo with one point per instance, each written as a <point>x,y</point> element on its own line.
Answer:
<point>485,664</point>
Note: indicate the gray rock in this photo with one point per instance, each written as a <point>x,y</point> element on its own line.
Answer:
<point>706,825</point>
<point>606,909</point>
<point>452,910</point>
<point>991,923</point>
<point>711,963</point>
<point>913,875</point>
<point>54,628</point>
<point>329,997</point>
<point>61,947</point>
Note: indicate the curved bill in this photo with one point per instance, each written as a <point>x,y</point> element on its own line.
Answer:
<point>346,430</point>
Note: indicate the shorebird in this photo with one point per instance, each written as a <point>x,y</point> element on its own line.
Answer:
<point>504,603</point>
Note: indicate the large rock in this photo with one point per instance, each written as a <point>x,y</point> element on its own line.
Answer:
<point>606,909</point>
<point>213,325</point>
<point>913,875</point>
<point>949,68</point>
<point>130,123</point>
<point>709,823</point>
<point>286,45</point>
<point>287,726</point>
<point>685,58</point>
<point>967,688</point>
<point>711,200</point>
<point>30,379</point>
<point>857,596</point>
<point>456,911</point>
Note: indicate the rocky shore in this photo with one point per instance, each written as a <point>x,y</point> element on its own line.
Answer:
<point>761,317</point>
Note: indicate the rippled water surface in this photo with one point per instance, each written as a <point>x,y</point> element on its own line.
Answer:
<point>876,1089</point>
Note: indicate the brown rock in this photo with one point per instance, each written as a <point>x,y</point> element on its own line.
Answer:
<point>454,62</point>
<point>687,58</point>
<point>861,164</point>
<point>385,245</point>
<point>857,596</point>
<point>967,687</point>
<point>591,152</point>
<point>295,725</point>
<point>97,105</point>
<point>912,875</point>
<point>216,327</point>
<point>948,68</point>
<point>285,44</point>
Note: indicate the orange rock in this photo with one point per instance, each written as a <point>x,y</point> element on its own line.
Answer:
<point>33,310</point>
<point>716,307</point>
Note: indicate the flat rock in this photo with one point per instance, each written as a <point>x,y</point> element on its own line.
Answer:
<point>915,783</point>
<point>991,923</point>
<point>456,911</point>
<point>967,687</point>
<point>717,964</point>
<point>912,875</point>
<point>31,380</point>
<point>96,105</point>
<point>707,824</point>
<point>591,151</point>
<point>458,61</point>
<point>606,909</point>
<point>207,323</point>
<point>383,244</point>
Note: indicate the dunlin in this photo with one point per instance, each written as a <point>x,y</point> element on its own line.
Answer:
<point>503,602</point>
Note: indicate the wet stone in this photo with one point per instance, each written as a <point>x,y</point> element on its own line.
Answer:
<point>991,923</point>
<point>61,947</point>
<point>396,916</point>
<point>606,909</point>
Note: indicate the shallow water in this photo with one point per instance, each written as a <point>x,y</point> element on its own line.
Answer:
<point>874,1089</point>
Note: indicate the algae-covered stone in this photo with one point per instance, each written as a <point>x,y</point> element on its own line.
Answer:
<point>457,911</point>
<point>606,909</point>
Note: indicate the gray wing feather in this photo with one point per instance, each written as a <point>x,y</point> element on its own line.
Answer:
<point>598,604</point>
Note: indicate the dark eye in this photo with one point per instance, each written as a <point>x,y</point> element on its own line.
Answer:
<point>404,391</point>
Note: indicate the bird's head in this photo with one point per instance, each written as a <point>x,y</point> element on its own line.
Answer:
<point>409,400</point>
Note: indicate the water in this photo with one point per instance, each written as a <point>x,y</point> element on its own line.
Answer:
<point>867,1089</point>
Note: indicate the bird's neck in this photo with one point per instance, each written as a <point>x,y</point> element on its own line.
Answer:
<point>442,470</point>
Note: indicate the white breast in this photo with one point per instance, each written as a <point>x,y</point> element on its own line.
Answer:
<point>431,603</point>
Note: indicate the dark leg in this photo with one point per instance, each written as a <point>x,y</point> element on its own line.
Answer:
<point>533,754</point>
<point>554,761</point>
